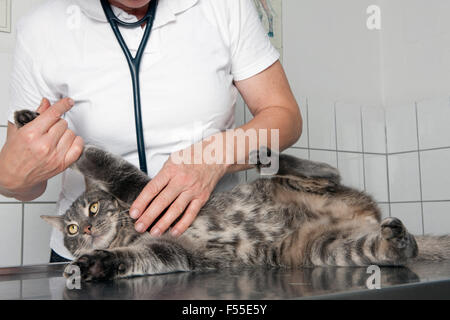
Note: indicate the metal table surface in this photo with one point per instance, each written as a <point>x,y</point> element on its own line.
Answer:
<point>425,280</point>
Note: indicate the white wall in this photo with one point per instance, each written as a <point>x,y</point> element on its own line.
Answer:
<point>329,52</point>
<point>415,50</point>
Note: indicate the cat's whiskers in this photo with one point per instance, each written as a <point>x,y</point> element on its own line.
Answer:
<point>81,247</point>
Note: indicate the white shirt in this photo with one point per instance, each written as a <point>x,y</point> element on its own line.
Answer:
<point>197,49</point>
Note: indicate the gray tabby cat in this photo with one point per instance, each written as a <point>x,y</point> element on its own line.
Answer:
<point>303,216</point>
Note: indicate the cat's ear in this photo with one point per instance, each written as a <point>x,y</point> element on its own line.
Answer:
<point>55,221</point>
<point>92,184</point>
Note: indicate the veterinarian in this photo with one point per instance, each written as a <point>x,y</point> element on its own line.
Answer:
<point>201,54</point>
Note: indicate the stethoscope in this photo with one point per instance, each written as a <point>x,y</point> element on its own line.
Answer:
<point>134,64</point>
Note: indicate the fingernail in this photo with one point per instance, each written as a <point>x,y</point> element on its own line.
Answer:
<point>140,227</point>
<point>71,102</point>
<point>175,233</point>
<point>134,213</point>
<point>155,232</point>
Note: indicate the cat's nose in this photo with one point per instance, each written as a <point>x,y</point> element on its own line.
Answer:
<point>87,229</point>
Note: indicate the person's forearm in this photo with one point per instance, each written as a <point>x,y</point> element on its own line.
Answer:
<point>237,144</point>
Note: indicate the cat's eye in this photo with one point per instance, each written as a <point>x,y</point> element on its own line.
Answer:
<point>72,229</point>
<point>93,208</point>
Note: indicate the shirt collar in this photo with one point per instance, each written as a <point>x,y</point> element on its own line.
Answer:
<point>166,12</point>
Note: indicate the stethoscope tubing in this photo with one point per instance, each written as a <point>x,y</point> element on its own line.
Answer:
<point>134,64</point>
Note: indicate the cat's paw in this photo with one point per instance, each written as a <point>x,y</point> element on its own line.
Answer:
<point>22,117</point>
<point>261,157</point>
<point>99,265</point>
<point>91,158</point>
<point>401,244</point>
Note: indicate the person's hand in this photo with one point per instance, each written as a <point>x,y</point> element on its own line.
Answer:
<point>39,150</point>
<point>179,188</point>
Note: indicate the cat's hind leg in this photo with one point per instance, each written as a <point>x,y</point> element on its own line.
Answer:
<point>390,244</point>
<point>299,174</point>
<point>290,166</point>
<point>353,243</point>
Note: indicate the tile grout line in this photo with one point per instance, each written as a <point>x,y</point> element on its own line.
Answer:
<point>421,150</point>
<point>387,162</point>
<point>363,148</point>
<point>307,128</point>
<point>375,153</point>
<point>420,166</point>
<point>341,151</point>
<point>336,135</point>
<point>28,202</point>
<point>412,201</point>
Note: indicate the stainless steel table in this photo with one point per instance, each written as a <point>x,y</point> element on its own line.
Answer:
<point>430,280</point>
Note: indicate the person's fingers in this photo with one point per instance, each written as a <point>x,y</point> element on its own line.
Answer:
<point>45,104</point>
<point>151,190</point>
<point>188,218</point>
<point>158,205</point>
<point>175,210</point>
<point>75,151</point>
<point>52,115</point>
<point>65,143</point>
<point>56,132</point>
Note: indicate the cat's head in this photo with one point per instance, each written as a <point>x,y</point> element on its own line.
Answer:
<point>94,219</point>
<point>91,222</point>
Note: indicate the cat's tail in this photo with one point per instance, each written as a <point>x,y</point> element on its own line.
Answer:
<point>433,248</point>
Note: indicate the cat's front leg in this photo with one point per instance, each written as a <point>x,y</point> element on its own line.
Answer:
<point>100,265</point>
<point>154,257</point>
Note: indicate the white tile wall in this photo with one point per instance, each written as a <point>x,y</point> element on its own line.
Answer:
<point>434,119</point>
<point>374,129</point>
<point>299,153</point>
<point>37,232</point>
<point>10,234</point>
<point>404,179</point>
<point>348,127</point>
<point>436,217</point>
<point>329,157</point>
<point>410,214</point>
<point>385,210</point>
<point>321,119</point>
<point>401,128</point>
<point>435,169</point>
<point>376,176</point>
<point>351,167</point>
